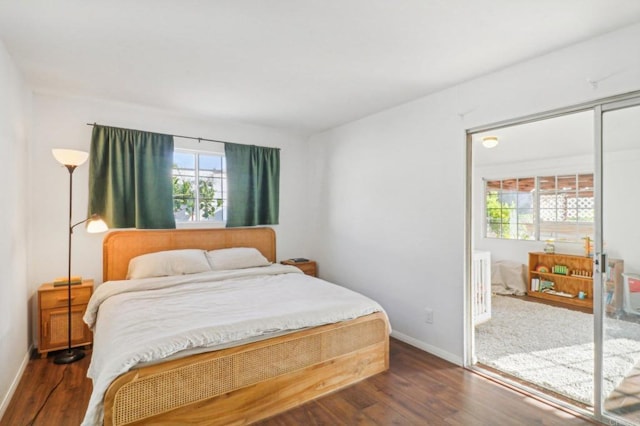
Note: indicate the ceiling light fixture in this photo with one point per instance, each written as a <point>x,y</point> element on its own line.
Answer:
<point>490,141</point>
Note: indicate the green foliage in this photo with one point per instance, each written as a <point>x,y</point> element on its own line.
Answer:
<point>184,197</point>
<point>209,204</point>
<point>499,215</point>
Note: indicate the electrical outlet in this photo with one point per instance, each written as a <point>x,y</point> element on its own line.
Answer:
<point>428,315</point>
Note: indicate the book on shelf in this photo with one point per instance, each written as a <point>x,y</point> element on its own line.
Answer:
<point>535,284</point>
<point>75,279</point>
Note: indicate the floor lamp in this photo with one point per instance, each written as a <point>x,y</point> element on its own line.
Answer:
<point>71,159</point>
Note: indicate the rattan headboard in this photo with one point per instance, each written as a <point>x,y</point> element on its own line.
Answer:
<point>119,247</point>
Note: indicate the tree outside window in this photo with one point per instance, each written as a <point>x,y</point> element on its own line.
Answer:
<point>540,208</point>
<point>199,187</point>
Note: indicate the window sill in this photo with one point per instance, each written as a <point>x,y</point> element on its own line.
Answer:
<point>199,225</point>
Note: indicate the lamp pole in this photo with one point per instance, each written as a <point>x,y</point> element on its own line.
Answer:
<point>71,159</point>
<point>70,355</point>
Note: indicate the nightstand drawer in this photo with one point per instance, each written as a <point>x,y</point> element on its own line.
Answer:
<point>58,298</point>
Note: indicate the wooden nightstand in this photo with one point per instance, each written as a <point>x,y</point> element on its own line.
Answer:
<point>309,267</point>
<point>52,317</point>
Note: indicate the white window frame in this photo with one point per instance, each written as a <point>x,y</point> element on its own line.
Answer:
<point>577,237</point>
<point>198,221</point>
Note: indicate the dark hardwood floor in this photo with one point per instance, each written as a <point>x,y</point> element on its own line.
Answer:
<point>418,389</point>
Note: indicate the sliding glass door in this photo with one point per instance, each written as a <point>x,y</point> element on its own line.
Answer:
<point>619,241</point>
<point>604,368</point>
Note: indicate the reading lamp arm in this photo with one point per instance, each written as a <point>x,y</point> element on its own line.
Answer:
<point>92,217</point>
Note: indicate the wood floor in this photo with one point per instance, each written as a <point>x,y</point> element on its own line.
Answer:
<point>419,389</point>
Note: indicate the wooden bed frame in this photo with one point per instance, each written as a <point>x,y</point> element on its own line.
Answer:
<point>242,384</point>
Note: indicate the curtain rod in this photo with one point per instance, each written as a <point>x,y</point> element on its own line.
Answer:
<point>175,136</point>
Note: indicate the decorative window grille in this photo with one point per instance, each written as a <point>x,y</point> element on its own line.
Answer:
<point>540,208</point>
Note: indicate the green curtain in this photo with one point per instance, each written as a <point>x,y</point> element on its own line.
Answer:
<point>130,182</point>
<point>253,182</point>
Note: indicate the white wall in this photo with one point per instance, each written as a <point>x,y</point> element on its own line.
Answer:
<point>621,198</point>
<point>388,190</point>
<point>61,123</point>
<point>14,173</point>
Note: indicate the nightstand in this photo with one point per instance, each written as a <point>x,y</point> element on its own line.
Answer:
<point>309,267</point>
<point>52,316</point>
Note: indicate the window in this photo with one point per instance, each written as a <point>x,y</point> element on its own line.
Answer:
<point>509,207</point>
<point>540,208</point>
<point>199,186</point>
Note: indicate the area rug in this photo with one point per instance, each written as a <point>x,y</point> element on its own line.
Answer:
<point>553,347</point>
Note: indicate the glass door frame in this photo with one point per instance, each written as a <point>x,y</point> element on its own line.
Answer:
<point>599,107</point>
<point>612,105</point>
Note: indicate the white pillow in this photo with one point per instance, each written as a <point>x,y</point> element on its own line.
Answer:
<point>236,258</point>
<point>165,263</point>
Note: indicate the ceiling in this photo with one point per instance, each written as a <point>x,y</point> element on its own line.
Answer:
<point>570,135</point>
<point>305,65</point>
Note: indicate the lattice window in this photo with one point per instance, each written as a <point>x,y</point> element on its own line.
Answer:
<point>540,208</point>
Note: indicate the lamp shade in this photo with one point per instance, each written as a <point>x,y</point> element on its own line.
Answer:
<point>490,141</point>
<point>70,157</point>
<point>96,225</point>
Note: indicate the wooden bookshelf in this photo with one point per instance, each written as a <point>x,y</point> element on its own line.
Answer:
<point>579,278</point>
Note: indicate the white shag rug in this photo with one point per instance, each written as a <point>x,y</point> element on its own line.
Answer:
<point>553,347</point>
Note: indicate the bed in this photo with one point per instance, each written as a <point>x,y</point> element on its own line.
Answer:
<point>243,382</point>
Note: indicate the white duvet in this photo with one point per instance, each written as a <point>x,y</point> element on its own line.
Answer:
<point>146,320</point>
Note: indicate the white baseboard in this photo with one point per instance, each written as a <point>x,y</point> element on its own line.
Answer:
<point>16,380</point>
<point>447,356</point>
